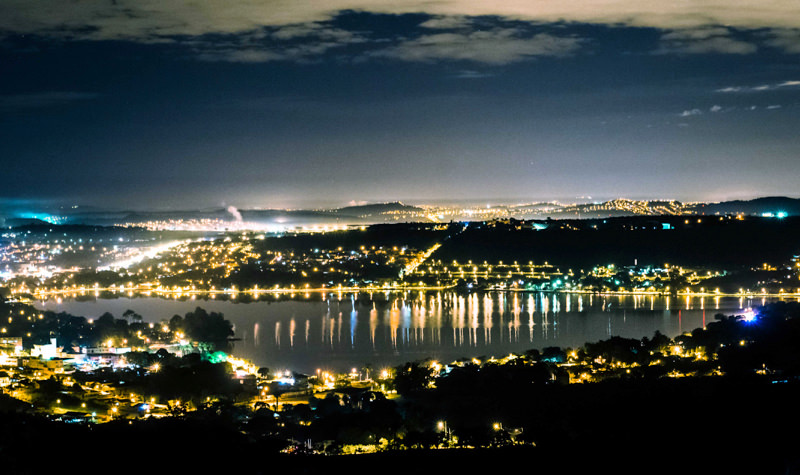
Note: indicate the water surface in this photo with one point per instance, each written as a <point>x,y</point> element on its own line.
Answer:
<point>342,331</point>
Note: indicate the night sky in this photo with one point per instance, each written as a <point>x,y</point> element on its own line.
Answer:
<point>164,104</point>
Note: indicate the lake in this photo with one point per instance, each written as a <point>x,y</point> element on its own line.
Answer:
<point>343,331</point>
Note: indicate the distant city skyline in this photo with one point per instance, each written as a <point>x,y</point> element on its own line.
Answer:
<point>140,105</point>
<point>16,208</point>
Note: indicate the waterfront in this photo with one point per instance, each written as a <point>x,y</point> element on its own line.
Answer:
<point>344,331</point>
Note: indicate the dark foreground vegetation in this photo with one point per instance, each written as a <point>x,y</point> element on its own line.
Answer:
<point>719,400</point>
<point>690,426</point>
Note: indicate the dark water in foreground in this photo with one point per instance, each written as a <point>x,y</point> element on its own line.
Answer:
<point>343,331</point>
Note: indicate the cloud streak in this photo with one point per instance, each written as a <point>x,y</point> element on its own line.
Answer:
<point>152,19</point>
<point>705,40</point>
<point>785,85</point>
<point>498,46</point>
<point>270,31</point>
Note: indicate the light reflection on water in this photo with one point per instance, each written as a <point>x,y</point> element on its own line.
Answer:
<point>345,331</point>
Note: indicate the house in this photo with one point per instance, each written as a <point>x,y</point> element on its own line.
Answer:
<point>5,379</point>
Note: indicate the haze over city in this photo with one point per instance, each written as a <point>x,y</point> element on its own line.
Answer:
<point>163,105</point>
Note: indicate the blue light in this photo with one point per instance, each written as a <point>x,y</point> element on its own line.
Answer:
<point>781,214</point>
<point>48,218</point>
<point>749,315</point>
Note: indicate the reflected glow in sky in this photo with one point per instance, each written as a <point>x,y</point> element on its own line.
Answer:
<point>144,104</point>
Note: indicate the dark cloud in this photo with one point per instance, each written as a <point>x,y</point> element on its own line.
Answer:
<point>452,33</point>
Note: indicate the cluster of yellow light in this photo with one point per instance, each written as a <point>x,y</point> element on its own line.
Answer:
<point>242,364</point>
<point>486,270</point>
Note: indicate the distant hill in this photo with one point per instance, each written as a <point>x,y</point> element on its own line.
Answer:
<point>20,222</point>
<point>716,243</point>
<point>374,213</point>
<point>364,214</point>
<point>758,206</point>
<point>376,208</point>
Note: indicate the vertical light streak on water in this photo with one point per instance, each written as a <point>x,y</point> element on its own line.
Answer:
<point>716,303</point>
<point>439,321</point>
<point>406,314</point>
<point>545,310</point>
<point>411,328</point>
<point>568,299</point>
<point>278,334</point>
<point>339,330</point>
<point>473,310</point>
<point>423,321</point>
<point>556,313</point>
<point>292,326</point>
<point>501,310</point>
<point>580,303</point>
<point>308,329</point>
<point>373,324</point>
<point>430,314</point>
<point>702,303</point>
<point>419,314</point>
<point>454,319</point>
<point>531,310</point>
<point>487,320</point>
<point>688,303</point>
<point>516,323</point>
<point>353,324</point>
<point>667,302</point>
<point>459,322</point>
<point>652,302</point>
<point>255,335</point>
<point>394,324</point>
<point>741,303</point>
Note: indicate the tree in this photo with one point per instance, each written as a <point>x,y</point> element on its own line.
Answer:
<point>554,354</point>
<point>203,326</point>
<point>176,323</point>
<point>413,377</point>
<point>131,315</point>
